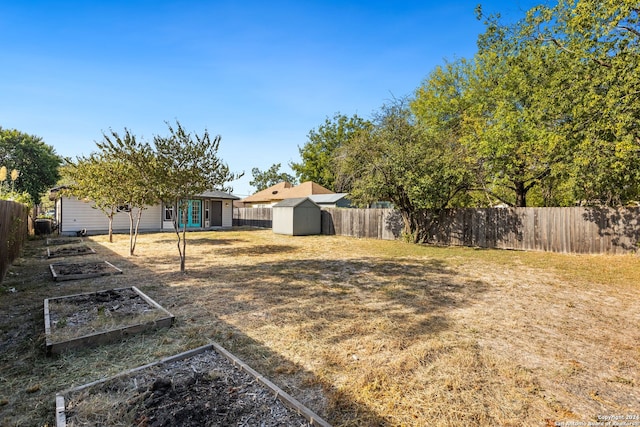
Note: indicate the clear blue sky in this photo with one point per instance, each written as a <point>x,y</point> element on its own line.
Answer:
<point>260,74</point>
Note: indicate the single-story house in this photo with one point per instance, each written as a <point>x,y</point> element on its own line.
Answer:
<point>207,211</point>
<point>282,191</point>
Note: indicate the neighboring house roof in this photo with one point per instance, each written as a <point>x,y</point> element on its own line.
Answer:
<point>284,190</point>
<point>326,199</point>
<point>292,203</point>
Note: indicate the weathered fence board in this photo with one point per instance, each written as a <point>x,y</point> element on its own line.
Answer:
<point>253,217</point>
<point>14,230</point>
<point>572,229</point>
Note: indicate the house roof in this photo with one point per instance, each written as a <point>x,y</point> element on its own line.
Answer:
<point>216,194</point>
<point>213,194</point>
<point>285,190</point>
<point>327,198</point>
<point>292,203</point>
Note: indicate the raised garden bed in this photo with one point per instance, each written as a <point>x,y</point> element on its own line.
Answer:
<point>206,386</point>
<point>63,240</point>
<point>74,271</point>
<point>96,318</point>
<point>69,250</point>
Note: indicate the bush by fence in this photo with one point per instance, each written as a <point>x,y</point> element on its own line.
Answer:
<point>574,229</point>
<point>14,230</point>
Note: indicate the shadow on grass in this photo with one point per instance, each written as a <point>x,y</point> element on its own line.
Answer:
<point>326,309</point>
<point>416,298</point>
<point>200,242</point>
<point>30,379</point>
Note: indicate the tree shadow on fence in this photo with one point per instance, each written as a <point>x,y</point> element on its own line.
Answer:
<point>618,229</point>
<point>484,228</point>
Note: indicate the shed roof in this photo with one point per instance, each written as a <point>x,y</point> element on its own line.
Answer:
<point>291,203</point>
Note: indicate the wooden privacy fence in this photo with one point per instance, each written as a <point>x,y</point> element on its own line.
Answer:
<point>14,230</point>
<point>252,217</point>
<point>573,229</point>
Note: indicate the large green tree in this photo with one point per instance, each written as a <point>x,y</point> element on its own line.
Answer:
<point>272,176</point>
<point>186,166</point>
<point>601,39</point>
<point>318,153</point>
<point>398,160</point>
<point>499,102</point>
<point>37,163</point>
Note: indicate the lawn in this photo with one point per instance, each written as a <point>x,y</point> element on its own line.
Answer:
<point>363,332</point>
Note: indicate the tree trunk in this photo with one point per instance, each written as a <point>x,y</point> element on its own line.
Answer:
<point>135,231</point>
<point>131,245</point>
<point>110,228</point>
<point>521,194</point>
<point>183,254</point>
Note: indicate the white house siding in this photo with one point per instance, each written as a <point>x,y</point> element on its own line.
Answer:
<point>227,213</point>
<point>76,215</point>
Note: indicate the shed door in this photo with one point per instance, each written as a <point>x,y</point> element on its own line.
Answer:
<point>216,213</point>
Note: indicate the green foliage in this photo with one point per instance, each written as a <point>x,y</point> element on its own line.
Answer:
<point>99,178</point>
<point>400,161</point>
<point>187,165</point>
<point>36,162</point>
<point>601,39</point>
<point>272,176</point>
<point>318,153</point>
<point>133,173</point>
<point>547,109</point>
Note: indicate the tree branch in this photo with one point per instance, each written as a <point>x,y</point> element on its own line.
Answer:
<point>631,30</point>
<point>566,49</point>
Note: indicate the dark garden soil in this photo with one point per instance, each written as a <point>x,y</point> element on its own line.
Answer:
<point>70,271</point>
<point>81,311</point>
<point>63,240</point>
<point>63,251</point>
<point>203,390</point>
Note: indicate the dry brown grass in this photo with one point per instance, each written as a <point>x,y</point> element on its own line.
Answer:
<point>363,332</point>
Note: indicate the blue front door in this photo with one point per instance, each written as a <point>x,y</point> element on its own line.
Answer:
<point>194,214</point>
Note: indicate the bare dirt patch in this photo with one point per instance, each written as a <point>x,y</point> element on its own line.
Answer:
<point>63,240</point>
<point>90,319</point>
<point>203,389</point>
<point>70,250</point>
<point>75,271</point>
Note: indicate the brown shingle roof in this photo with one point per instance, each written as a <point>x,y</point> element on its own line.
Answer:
<point>285,190</point>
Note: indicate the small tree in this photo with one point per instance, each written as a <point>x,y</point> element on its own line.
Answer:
<point>135,167</point>
<point>96,178</point>
<point>187,166</point>
<point>271,176</point>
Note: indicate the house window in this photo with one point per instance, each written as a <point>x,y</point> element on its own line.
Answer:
<point>168,213</point>
<point>123,208</point>
<point>195,212</point>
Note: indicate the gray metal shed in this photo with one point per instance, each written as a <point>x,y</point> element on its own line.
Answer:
<point>297,217</point>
